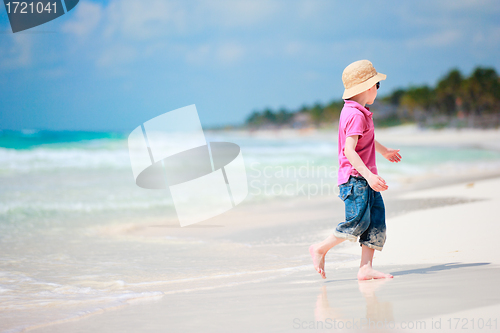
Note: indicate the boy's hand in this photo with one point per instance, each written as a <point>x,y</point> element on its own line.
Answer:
<point>392,155</point>
<point>377,183</point>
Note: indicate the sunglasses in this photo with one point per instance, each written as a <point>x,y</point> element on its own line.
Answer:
<point>378,85</point>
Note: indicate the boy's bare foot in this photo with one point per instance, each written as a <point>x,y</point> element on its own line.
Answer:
<point>367,273</point>
<point>318,261</point>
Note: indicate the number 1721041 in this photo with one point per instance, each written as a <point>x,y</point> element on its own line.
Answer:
<point>473,323</point>
<point>30,8</point>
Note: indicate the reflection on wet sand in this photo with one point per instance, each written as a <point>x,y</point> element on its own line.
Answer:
<point>323,309</point>
<point>376,311</point>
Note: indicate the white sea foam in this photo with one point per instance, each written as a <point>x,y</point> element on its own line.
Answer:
<point>20,207</point>
<point>20,321</point>
<point>62,158</point>
<point>22,292</point>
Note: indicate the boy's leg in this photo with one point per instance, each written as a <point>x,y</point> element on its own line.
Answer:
<point>373,238</point>
<point>318,252</point>
<point>366,272</point>
<point>375,234</point>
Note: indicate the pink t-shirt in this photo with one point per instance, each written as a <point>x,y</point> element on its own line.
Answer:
<point>356,119</point>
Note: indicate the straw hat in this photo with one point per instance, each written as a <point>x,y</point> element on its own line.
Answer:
<point>358,77</point>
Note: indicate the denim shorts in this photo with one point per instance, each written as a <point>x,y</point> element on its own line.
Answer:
<point>364,214</point>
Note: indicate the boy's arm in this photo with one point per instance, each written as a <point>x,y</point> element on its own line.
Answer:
<point>376,182</point>
<point>390,154</point>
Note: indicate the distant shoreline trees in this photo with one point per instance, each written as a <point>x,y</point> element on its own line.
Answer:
<point>455,101</point>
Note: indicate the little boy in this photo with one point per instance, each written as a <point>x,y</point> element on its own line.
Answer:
<point>358,180</point>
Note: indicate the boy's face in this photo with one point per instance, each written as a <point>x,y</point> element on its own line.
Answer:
<point>371,94</point>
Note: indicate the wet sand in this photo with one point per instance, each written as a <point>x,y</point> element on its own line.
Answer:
<point>418,295</point>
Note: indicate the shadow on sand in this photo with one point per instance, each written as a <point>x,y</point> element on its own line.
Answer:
<point>437,268</point>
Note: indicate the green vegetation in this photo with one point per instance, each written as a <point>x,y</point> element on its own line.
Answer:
<point>455,101</point>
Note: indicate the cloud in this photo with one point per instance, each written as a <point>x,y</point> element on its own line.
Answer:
<point>52,73</point>
<point>243,13</point>
<point>132,30</point>
<point>230,53</point>
<point>467,5</point>
<point>311,76</point>
<point>123,31</point>
<point>117,54</point>
<point>198,55</point>
<point>438,39</point>
<point>19,53</point>
<point>137,20</point>
<point>85,20</point>
<point>312,9</point>
<point>484,43</point>
<point>226,53</point>
<point>489,36</point>
<point>293,48</point>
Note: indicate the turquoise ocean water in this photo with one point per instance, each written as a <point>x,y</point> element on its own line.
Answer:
<point>60,190</point>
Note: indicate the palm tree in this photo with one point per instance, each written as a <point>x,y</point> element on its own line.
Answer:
<point>448,90</point>
<point>481,91</point>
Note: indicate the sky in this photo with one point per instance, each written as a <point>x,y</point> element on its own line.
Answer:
<point>112,65</point>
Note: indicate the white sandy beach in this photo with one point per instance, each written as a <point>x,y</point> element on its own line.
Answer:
<point>404,134</point>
